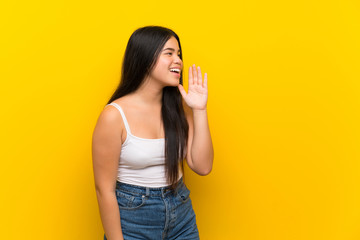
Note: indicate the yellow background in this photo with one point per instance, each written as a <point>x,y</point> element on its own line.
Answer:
<point>284,101</point>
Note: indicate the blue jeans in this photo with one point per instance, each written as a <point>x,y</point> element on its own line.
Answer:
<point>156,213</point>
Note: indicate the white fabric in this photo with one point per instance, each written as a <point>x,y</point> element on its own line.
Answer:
<point>142,160</point>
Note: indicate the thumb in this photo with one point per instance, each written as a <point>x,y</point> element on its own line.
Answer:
<point>182,90</point>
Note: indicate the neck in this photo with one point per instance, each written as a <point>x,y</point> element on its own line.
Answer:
<point>149,94</point>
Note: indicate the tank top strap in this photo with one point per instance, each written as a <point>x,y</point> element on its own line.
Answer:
<point>123,116</point>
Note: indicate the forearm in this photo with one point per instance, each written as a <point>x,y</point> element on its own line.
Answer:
<point>110,215</point>
<point>202,152</point>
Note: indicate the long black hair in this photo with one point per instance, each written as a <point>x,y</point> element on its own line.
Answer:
<point>141,54</point>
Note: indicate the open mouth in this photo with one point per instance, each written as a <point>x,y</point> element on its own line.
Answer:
<point>175,71</point>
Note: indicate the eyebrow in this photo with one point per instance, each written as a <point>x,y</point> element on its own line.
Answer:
<point>171,49</point>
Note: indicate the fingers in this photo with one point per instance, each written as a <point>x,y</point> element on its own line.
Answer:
<point>194,73</point>
<point>191,80</point>
<point>195,76</point>
<point>199,77</point>
<point>205,81</point>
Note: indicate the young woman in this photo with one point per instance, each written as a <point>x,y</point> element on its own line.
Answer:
<point>149,126</point>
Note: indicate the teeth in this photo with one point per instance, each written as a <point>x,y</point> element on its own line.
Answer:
<point>175,70</point>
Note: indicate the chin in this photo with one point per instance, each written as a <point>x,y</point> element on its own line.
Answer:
<point>173,83</point>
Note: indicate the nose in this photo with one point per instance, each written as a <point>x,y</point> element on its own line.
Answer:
<point>178,60</point>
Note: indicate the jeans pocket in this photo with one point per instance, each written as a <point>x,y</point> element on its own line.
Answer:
<point>183,193</point>
<point>128,200</point>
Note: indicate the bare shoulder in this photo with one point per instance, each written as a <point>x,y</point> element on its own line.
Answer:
<point>109,122</point>
<point>111,113</point>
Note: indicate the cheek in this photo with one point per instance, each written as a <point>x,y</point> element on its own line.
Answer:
<point>164,65</point>
<point>165,59</point>
<point>161,68</point>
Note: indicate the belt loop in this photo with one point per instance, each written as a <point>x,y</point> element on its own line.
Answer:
<point>147,191</point>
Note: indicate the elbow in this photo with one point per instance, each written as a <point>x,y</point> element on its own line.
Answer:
<point>104,194</point>
<point>102,190</point>
<point>202,167</point>
<point>204,171</point>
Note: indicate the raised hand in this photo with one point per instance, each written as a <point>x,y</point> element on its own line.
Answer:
<point>197,95</point>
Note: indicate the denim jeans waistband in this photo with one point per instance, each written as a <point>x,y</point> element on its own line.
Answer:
<point>147,191</point>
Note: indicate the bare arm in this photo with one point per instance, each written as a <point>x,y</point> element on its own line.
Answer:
<point>106,147</point>
<point>200,152</point>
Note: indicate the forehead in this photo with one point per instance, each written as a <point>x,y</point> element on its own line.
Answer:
<point>172,43</point>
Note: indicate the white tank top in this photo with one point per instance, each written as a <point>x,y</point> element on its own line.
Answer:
<point>142,160</point>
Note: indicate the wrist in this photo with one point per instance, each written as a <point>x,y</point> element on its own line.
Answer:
<point>199,110</point>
